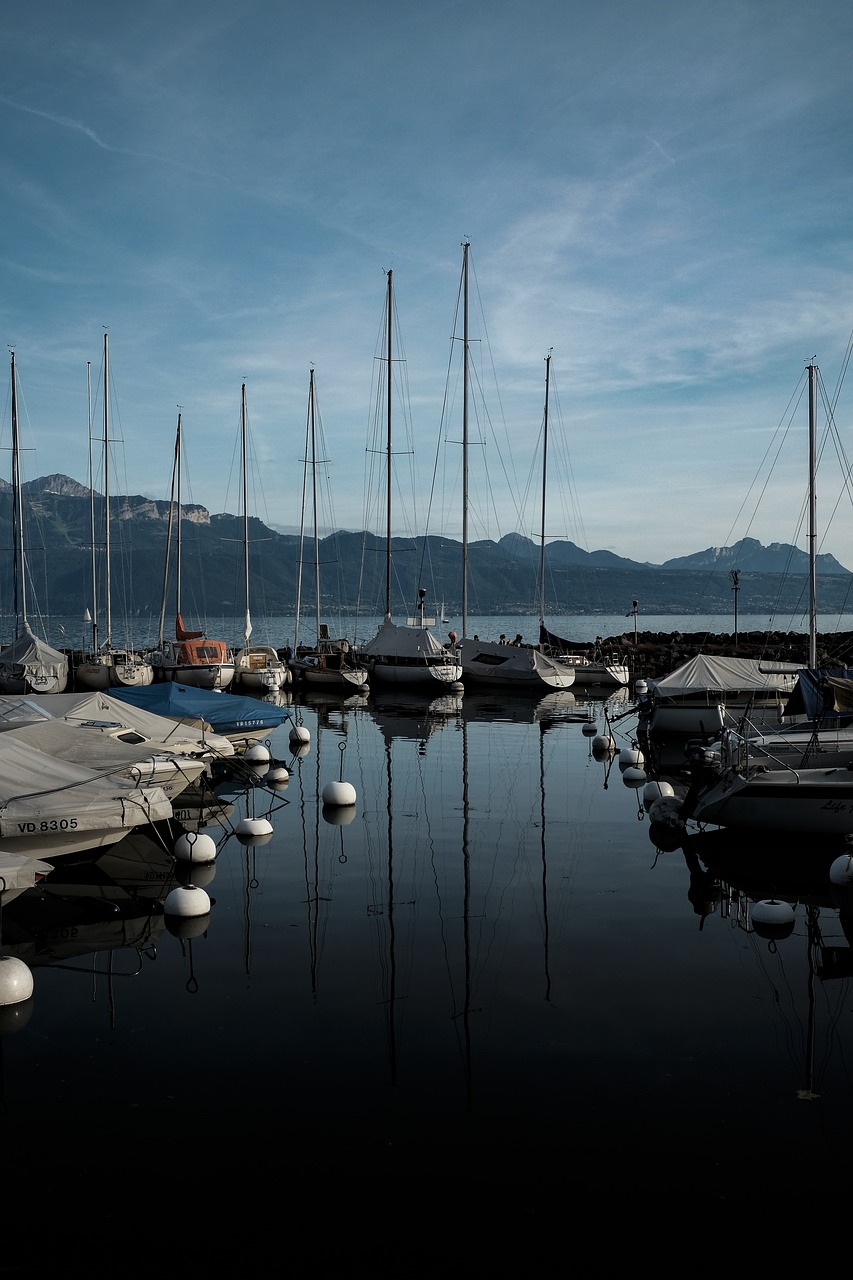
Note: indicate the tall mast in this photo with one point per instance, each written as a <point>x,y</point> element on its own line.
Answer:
<point>178,452</point>
<point>544,483</point>
<point>314,504</point>
<point>92,512</point>
<point>247,624</point>
<point>162,629</point>
<point>20,588</point>
<point>388,460</point>
<point>302,516</point>
<point>812,517</point>
<point>107,599</point>
<point>465,248</point>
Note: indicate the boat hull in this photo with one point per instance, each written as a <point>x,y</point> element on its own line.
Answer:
<point>818,801</point>
<point>509,666</point>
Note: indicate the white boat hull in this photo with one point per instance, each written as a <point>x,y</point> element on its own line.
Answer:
<point>509,666</point>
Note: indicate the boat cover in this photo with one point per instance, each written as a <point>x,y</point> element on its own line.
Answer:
<point>394,641</point>
<point>43,795</point>
<point>103,711</point>
<point>226,713</point>
<point>726,676</point>
<point>148,762</point>
<point>33,657</point>
<point>825,693</point>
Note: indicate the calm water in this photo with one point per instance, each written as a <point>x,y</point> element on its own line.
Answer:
<point>475,1002</point>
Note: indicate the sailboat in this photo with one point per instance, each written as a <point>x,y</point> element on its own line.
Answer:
<point>28,664</point>
<point>509,666</point>
<point>738,789</point>
<point>411,654</point>
<point>331,664</point>
<point>191,658</point>
<point>256,666</point>
<point>107,667</point>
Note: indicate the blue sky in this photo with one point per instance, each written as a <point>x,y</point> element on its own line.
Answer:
<point>659,194</point>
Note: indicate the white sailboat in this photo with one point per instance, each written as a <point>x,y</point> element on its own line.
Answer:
<point>404,655</point>
<point>105,666</point>
<point>509,666</point>
<point>191,658</point>
<point>27,664</point>
<point>331,663</point>
<point>256,666</point>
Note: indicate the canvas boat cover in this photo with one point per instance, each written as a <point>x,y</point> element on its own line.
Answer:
<point>147,763</point>
<point>33,657</point>
<point>103,711</point>
<point>726,677</point>
<point>226,713</point>
<point>394,641</point>
<point>44,795</point>
<point>825,693</point>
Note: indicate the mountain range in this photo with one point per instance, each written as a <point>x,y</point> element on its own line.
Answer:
<point>60,514</point>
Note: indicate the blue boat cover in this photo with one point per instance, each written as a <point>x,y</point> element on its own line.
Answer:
<point>226,713</point>
<point>818,696</point>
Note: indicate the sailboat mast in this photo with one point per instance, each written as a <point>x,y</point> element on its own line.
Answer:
<point>388,467</point>
<point>247,624</point>
<point>302,516</point>
<point>92,511</point>
<point>544,484</point>
<point>314,505</point>
<point>175,464</point>
<point>465,247</point>
<point>812,517</point>
<point>107,599</point>
<point>20,588</point>
<point>178,452</point>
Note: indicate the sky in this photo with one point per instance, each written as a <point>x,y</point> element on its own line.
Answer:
<point>658,196</point>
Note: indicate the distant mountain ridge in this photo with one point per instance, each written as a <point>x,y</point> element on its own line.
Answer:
<point>503,575</point>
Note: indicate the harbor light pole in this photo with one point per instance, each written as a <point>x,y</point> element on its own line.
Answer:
<point>734,574</point>
<point>635,608</point>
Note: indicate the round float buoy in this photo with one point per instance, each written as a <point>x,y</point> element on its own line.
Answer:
<point>338,815</point>
<point>298,733</point>
<point>257,753</point>
<point>590,727</point>
<point>631,757</point>
<point>457,687</point>
<point>666,809</point>
<point>254,830</point>
<point>187,901</point>
<point>195,846</point>
<point>633,776</point>
<point>603,743</point>
<point>339,793</point>
<point>772,918</point>
<point>654,790</point>
<point>841,871</point>
<point>277,776</point>
<point>641,687</point>
<point>16,981</point>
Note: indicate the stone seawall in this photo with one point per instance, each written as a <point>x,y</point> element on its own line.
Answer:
<point>656,653</point>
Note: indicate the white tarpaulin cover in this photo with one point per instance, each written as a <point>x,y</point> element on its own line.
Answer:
<point>726,676</point>
<point>41,795</point>
<point>394,641</point>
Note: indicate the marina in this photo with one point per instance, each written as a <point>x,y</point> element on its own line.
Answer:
<point>481,983</point>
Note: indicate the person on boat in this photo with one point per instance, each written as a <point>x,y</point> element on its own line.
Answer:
<point>502,638</point>
<point>517,641</point>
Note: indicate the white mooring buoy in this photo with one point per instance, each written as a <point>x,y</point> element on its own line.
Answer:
<point>186,901</point>
<point>277,776</point>
<point>590,728</point>
<point>841,871</point>
<point>298,733</point>
<point>195,846</point>
<point>339,793</point>
<point>16,981</point>
<point>254,830</point>
<point>654,790</point>
<point>257,753</point>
